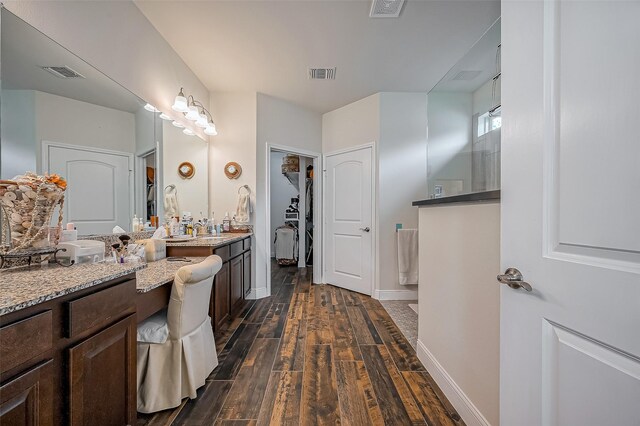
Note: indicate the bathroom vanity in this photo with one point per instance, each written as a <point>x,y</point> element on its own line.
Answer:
<point>68,335</point>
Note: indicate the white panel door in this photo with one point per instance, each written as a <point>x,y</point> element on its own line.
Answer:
<point>570,348</point>
<point>98,195</point>
<point>348,218</point>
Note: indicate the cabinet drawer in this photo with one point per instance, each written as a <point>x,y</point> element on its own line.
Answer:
<point>246,243</point>
<point>99,308</point>
<point>236,248</point>
<point>223,252</point>
<point>25,340</point>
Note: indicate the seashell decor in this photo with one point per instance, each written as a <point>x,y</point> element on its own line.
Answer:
<point>27,203</point>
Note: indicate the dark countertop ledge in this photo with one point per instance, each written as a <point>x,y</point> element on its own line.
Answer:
<point>473,197</point>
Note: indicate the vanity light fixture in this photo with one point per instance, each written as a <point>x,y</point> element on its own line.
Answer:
<point>211,129</point>
<point>178,124</point>
<point>180,103</point>
<point>165,116</point>
<point>151,108</point>
<point>195,111</point>
<point>192,114</point>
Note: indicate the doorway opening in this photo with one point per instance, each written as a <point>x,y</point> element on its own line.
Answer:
<point>293,204</point>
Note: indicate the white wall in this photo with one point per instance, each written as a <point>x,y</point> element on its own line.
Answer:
<point>235,115</point>
<point>397,125</point>
<point>116,38</point>
<point>64,120</point>
<point>450,142</point>
<point>402,174</point>
<point>286,124</point>
<point>281,193</point>
<point>355,124</point>
<point>459,303</point>
<point>18,147</point>
<point>178,148</point>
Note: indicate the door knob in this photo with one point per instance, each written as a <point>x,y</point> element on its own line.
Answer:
<point>367,229</point>
<point>513,278</point>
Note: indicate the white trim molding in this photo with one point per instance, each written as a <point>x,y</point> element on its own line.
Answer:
<point>395,294</point>
<point>258,293</point>
<point>460,401</point>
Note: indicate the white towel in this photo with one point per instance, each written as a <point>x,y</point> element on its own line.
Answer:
<point>408,256</point>
<point>171,208</point>
<point>244,208</point>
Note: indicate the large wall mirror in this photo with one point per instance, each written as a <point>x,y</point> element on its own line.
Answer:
<point>464,118</point>
<point>60,115</point>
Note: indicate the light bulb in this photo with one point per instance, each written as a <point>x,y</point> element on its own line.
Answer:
<point>211,129</point>
<point>202,121</point>
<point>151,108</point>
<point>193,113</point>
<point>164,116</point>
<point>180,103</point>
<point>178,125</point>
<point>188,132</point>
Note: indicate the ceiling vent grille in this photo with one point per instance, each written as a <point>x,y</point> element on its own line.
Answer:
<point>63,72</point>
<point>466,75</point>
<point>322,73</point>
<point>386,8</point>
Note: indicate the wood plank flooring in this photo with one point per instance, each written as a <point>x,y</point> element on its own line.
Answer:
<point>313,355</point>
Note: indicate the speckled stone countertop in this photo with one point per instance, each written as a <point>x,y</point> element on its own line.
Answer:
<point>222,240</point>
<point>160,272</point>
<point>27,286</point>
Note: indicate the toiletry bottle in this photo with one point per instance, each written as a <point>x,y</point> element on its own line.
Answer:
<point>212,224</point>
<point>136,223</point>
<point>226,223</point>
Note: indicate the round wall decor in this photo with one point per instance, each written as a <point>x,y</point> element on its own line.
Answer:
<point>232,170</point>
<point>186,170</point>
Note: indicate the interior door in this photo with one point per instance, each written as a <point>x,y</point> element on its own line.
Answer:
<point>99,193</point>
<point>348,216</point>
<point>570,348</point>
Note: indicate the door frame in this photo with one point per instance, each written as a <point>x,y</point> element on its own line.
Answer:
<point>45,165</point>
<point>141,193</point>
<point>374,209</point>
<point>318,218</point>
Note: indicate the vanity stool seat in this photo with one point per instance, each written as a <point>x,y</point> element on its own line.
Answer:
<point>176,348</point>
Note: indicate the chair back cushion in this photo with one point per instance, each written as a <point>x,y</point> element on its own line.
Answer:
<point>190,296</point>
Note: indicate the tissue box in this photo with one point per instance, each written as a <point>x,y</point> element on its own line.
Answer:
<point>82,251</point>
<point>154,249</point>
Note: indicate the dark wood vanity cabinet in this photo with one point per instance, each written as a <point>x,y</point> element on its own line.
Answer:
<point>102,376</point>
<point>232,284</point>
<point>219,305</point>
<point>71,360</point>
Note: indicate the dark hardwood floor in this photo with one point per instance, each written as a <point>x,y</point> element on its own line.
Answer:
<point>313,355</point>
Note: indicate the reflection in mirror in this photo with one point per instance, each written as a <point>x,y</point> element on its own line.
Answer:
<point>464,116</point>
<point>60,115</point>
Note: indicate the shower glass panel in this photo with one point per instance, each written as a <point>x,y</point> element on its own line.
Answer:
<point>464,118</point>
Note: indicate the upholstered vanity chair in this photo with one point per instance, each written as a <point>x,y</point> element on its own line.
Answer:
<point>176,349</point>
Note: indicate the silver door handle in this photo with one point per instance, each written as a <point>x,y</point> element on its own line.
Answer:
<point>367,229</point>
<point>513,278</point>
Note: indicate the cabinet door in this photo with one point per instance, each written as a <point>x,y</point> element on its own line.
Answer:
<point>246,277</point>
<point>28,399</point>
<point>236,270</point>
<point>102,377</point>
<point>220,302</point>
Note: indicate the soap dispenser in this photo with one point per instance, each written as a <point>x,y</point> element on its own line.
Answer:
<point>226,223</point>
<point>136,223</point>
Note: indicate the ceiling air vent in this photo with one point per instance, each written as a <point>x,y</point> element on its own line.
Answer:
<point>322,73</point>
<point>386,8</point>
<point>63,72</point>
<point>466,75</point>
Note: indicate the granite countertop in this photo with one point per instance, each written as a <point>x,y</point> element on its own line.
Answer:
<point>222,240</point>
<point>26,286</point>
<point>160,272</point>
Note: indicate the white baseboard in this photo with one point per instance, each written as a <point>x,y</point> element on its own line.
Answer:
<point>258,293</point>
<point>460,401</point>
<point>395,294</point>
